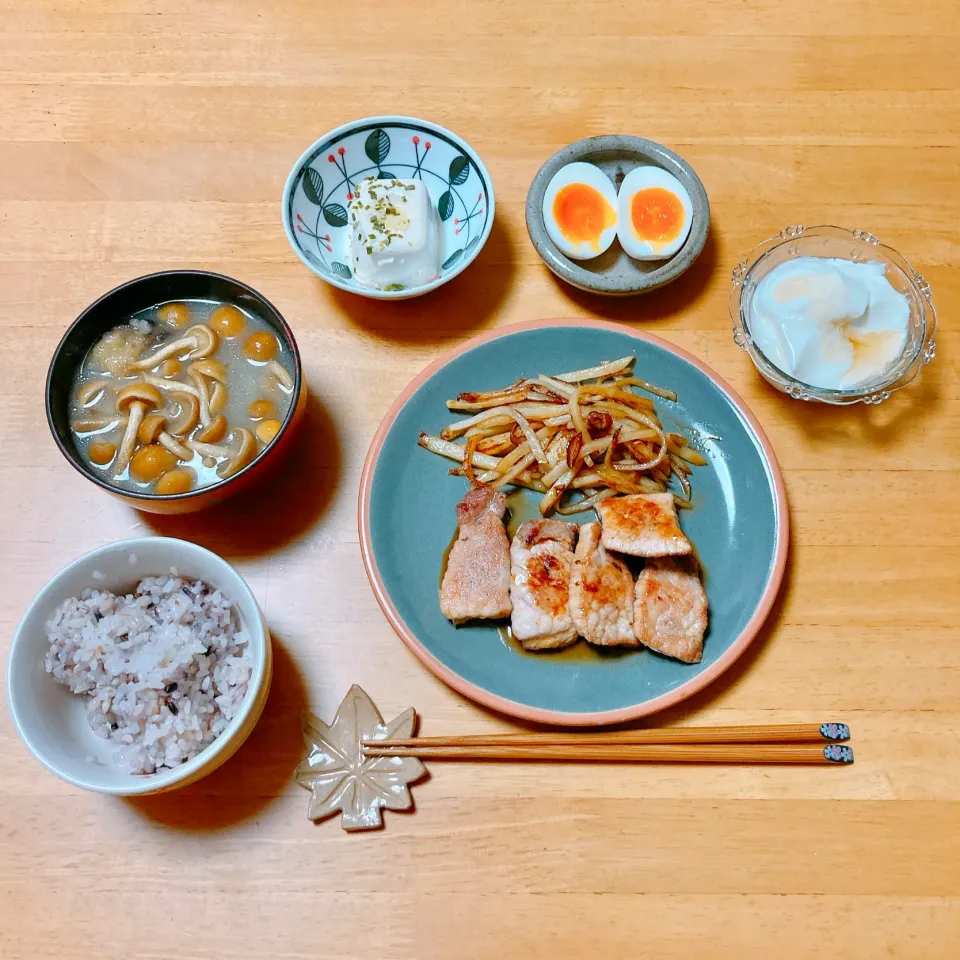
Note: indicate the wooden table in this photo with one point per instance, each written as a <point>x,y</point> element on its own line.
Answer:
<point>136,136</point>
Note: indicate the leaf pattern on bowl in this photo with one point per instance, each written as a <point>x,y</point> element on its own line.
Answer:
<point>313,186</point>
<point>377,146</point>
<point>445,206</point>
<point>335,214</point>
<point>459,170</point>
<point>452,259</point>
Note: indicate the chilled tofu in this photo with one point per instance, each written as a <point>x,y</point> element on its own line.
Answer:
<point>541,557</point>
<point>643,525</point>
<point>670,610</point>
<point>394,234</point>
<point>476,583</point>
<point>601,592</point>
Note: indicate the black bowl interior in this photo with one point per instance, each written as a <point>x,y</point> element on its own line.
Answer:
<point>116,307</point>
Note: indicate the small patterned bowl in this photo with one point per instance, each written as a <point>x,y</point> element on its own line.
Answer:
<point>857,245</point>
<point>323,179</point>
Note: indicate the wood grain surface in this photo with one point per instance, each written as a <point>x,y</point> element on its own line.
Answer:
<point>138,135</point>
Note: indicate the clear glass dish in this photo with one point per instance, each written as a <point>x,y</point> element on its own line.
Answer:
<point>828,241</point>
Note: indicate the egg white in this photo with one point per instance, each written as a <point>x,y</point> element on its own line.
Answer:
<point>592,176</point>
<point>642,178</point>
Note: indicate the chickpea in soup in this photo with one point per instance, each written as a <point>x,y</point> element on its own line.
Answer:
<point>181,396</point>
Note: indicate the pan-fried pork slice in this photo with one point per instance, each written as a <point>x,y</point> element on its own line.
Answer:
<point>643,525</point>
<point>670,612</point>
<point>476,583</point>
<point>541,557</point>
<point>601,592</point>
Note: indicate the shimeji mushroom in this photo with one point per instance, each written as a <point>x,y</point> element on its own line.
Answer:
<point>214,432</point>
<point>149,463</point>
<point>218,398</point>
<point>174,314</point>
<point>188,415</point>
<point>214,369</point>
<point>172,386</point>
<point>203,395</point>
<point>91,424</point>
<point>92,392</point>
<point>134,400</point>
<point>198,342</point>
<point>175,481</point>
<point>200,372</point>
<point>260,409</point>
<point>153,429</point>
<point>175,446</point>
<point>102,453</point>
<point>267,430</point>
<point>227,320</point>
<point>244,447</point>
<point>261,346</point>
<point>239,450</point>
<point>281,373</point>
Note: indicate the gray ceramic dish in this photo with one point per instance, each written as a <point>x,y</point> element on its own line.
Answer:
<point>614,273</point>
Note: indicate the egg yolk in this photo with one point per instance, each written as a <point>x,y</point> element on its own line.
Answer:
<point>228,321</point>
<point>150,461</point>
<point>261,346</point>
<point>101,453</point>
<point>657,214</point>
<point>174,481</point>
<point>260,409</point>
<point>582,214</point>
<point>267,430</point>
<point>174,314</point>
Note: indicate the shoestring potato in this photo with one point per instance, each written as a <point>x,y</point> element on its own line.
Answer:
<point>576,438</point>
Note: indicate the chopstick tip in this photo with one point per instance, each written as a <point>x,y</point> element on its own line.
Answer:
<point>838,753</point>
<point>834,731</point>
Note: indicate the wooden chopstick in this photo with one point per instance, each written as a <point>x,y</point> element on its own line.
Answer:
<point>772,733</point>
<point>746,753</point>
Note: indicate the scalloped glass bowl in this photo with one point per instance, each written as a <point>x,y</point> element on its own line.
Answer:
<point>857,245</point>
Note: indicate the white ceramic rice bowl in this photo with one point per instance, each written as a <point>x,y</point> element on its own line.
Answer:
<point>52,721</point>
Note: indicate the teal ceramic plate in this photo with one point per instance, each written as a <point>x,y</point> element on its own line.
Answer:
<point>739,527</point>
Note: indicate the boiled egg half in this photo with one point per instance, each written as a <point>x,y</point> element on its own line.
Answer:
<point>654,214</point>
<point>580,210</point>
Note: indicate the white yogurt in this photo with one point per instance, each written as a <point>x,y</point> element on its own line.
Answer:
<point>828,322</point>
<point>394,234</point>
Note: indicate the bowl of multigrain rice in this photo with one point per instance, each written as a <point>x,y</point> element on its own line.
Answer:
<point>140,667</point>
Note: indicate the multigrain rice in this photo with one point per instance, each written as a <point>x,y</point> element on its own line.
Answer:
<point>165,667</point>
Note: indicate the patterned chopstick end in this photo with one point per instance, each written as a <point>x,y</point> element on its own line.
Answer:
<point>835,731</point>
<point>838,753</point>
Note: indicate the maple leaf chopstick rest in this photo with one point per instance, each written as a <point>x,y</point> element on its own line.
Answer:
<point>339,776</point>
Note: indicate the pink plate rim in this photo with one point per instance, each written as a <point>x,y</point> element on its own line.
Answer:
<point>538,714</point>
